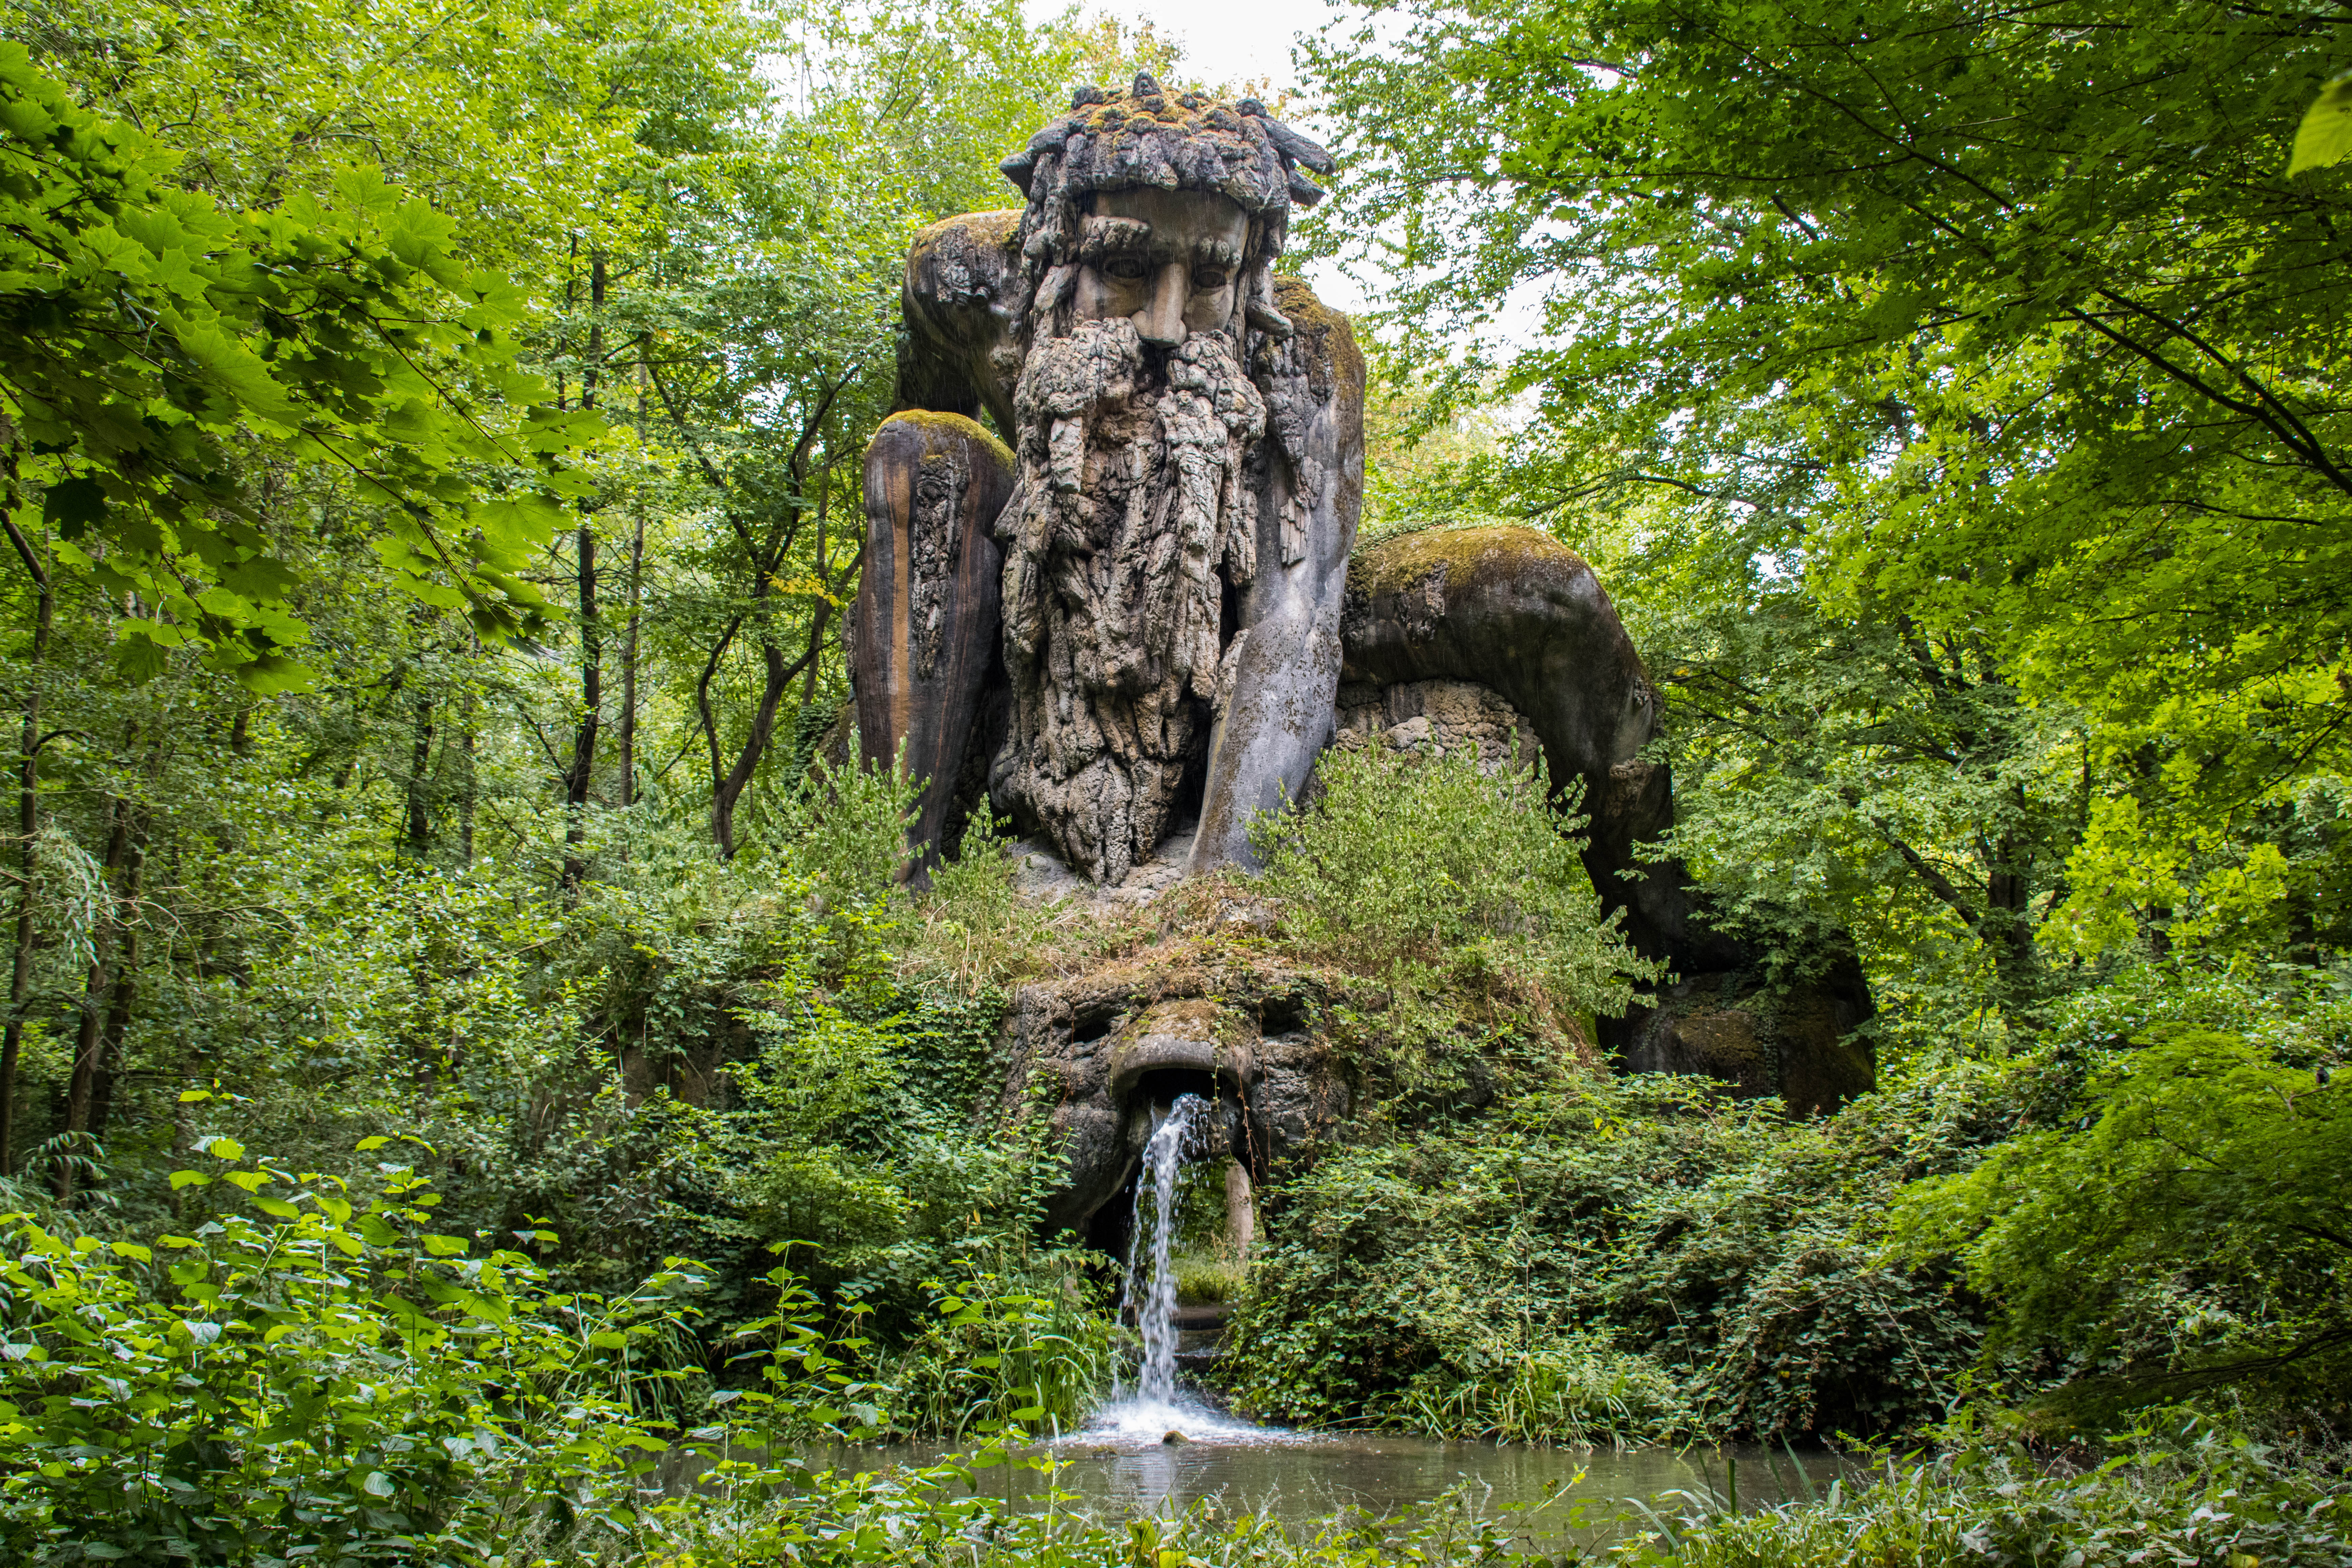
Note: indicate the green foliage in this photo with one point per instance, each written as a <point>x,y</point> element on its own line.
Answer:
<point>2191,1228</point>
<point>153,334</point>
<point>1625,1260</point>
<point>2324,136</point>
<point>2190,1493</point>
<point>1437,877</point>
<point>1204,1278</point>
<point>1971,496</point>
<point>1019,1338</point>
<point>314,1371</point>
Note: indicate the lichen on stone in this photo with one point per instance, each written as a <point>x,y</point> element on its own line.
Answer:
<point>1394,561</point>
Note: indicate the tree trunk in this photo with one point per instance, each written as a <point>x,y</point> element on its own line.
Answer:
<point>126,982</point>
<point>81,1088</point>
<point>470,786</point>
<point>417,840</point>
<point>755,746</point>
<point>583,773</point>
<point>629,667</point>
<point>28,823</point>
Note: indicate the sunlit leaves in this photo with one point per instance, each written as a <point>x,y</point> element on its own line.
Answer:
<point>157,344</point>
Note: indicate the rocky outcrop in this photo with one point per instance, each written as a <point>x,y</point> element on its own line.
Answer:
<point>1441,718</point>
<point>1519,612</point>
<point>1440,616</point>
<point>963,287</point>
<point>1794,1042</point>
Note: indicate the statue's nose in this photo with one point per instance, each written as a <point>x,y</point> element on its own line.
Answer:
<point>1162,322</point>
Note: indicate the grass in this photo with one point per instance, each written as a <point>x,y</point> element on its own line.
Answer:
<point>1205,1278</point>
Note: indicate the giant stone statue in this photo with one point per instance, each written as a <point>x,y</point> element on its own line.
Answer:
<point>1143,612</point>
<point>1133,614</point>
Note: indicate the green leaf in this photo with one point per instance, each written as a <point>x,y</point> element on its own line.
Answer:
<point>74,506</point>
<point>2325,135</point>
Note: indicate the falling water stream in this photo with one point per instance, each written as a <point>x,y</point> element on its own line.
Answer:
<point>1150,1407</point>
<point>1151,1291</point>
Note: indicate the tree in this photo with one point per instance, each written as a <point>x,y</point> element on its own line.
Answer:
<point>2003,323</point>
<point>2189,1229</point>
<point>154,341</point>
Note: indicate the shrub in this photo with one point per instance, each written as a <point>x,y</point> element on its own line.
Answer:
<point>2191,1495</point>
<point>310,1373</point>
<point>2187,1224</point>
<point>1622,1261</point>
<point>1440,878</point>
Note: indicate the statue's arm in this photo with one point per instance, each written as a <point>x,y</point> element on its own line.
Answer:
<point>925,650</point>
<point>1282,672</point>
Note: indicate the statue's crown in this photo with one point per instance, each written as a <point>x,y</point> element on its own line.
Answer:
<point>1180,142</point>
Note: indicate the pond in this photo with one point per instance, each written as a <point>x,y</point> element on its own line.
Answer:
<point>1122,1465</point>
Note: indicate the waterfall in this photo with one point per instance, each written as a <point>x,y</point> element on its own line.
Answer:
<point>1152,1294</point>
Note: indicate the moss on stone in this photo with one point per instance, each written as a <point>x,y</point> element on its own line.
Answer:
<point>939,425</point>
<point>1397,560</point>
<point>1313,317</point>
<point>996,227</point>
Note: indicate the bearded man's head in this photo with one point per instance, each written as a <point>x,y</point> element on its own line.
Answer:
<point>1147,245</point>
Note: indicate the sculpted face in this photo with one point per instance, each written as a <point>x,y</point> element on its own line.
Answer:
<point>1169,261</point>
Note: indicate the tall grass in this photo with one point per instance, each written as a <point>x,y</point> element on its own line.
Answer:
<point>1577,1391</point>
<point>1015,1341</point>
<point>2195,1495</point>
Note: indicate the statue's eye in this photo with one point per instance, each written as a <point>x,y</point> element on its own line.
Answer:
<point>1125,269</point>
<point>1207,277</point>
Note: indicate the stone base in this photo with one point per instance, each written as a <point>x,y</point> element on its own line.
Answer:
<point>1441,717</point>
<point>1039,873</point>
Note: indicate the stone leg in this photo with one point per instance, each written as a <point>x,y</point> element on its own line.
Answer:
<point>1240,1211</point>
<point>927,609</point>
<point>1513,610</point>
<point>1281,672</point>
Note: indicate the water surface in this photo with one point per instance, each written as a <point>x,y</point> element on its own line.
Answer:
<point>1120,1466</point>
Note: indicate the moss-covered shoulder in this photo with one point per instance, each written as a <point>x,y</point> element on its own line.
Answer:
<point>1332,329</point>
<point>994,227</point>
<point>1396,561</point>
<point>936,425</point>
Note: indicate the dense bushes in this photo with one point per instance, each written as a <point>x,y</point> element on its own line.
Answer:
<point>2145,1203</point>
<point>2191,1229</point>
<point>1627,1260</point>
<point>1462,891</point>
<point>317,1374</point>
<point>315,1370</point>
<point>2178,1491</point>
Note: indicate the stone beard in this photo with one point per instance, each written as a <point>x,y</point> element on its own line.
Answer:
<point>1133,514</point>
